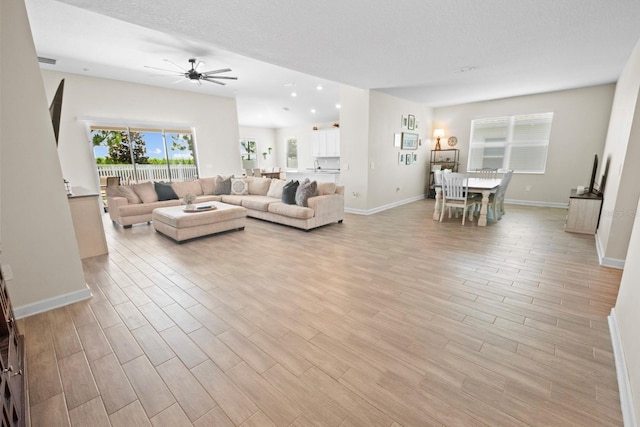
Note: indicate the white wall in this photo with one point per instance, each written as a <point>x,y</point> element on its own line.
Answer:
<point>580,121</point>
<point>305,149</point>
<point>38,240</point>
<point>622,149</point>
<point>265,138</point>
<point>215,120</point>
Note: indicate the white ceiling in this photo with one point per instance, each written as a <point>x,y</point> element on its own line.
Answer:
<point>435,52</point>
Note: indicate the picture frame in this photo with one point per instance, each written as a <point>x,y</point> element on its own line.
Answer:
<point>397,139</point>
<point>405,122</point>
<point>409,141</point>
<point>401,158</point>
<point>407,159</point>
<point>411,122</point>
<point>415,157</point>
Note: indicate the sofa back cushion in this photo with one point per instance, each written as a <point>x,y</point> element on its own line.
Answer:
<point>305,190</point>
<point>146,191</point>
<point>123,191</point>
<point>289,192</point>
<point>326,188</point>
<point>258,186</point>
<point>275,188</point>
<point>165,191</point>
<point>208,185</point>
<point>182,188</point>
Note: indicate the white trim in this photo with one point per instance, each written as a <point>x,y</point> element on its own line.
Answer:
<point>51,303</point>
<point>607,262</point>
<point>384,207</point>
<point>107,121</point>
<point>624,386</point>
<point>562,205</point>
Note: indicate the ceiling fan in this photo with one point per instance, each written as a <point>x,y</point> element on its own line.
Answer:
<point>194,75</point>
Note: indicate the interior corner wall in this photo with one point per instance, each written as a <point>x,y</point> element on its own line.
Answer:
<point>391,182</point>
<point>265,138</point>
<point>622,151</point>
<point>214,118</point>
<point>354,147</point>
<point>38,239</point>
<point>580,122</point>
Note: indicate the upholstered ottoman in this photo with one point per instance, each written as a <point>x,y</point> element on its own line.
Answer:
<point>180,225</point>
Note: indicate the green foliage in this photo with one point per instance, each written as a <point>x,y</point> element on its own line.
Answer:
<point>119,146</point>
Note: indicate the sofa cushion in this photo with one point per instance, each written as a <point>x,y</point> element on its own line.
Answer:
<point>239,187</point>
<point>275,188</point>
<point>145,208</point>
<point>305,190</point>
<point>165,191</point>
<point>232,199</point>
<point>258,186</point>
<point>182,188</point>
<point>208,185</point>
<point>258,203</point>
<point>123,191</point>
<point>291,211</point>
<point>326,188</point>
<point>289,192</point>
<point>146,191</point>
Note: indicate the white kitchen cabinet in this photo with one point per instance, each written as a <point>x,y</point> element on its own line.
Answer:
<point>326,143</point>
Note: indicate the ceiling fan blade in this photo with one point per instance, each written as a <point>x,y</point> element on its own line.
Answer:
<point>212,81</point>
<point>160,69</point>
<point>198,65</point>
<point>220,77</point>
<point>175,65</point>
<point>222,70</point>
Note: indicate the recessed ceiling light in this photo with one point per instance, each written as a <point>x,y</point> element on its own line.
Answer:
<point>289,84</point>
<point>293,94</point>
<point>319,87</point>
<point>313,111</point>
<point>338,106</point>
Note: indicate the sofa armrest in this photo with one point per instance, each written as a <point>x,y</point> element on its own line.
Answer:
<point>327,208</point>
<point>113,206</point>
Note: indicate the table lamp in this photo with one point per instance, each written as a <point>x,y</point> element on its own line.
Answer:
<point>438,133</point>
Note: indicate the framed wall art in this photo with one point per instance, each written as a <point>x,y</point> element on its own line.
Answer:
<point>411,122</point>
<point>409,141</point>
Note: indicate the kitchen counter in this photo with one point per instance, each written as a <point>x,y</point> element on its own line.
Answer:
<point>322,175</point>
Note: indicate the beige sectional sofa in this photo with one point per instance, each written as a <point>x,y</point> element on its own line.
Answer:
<point>133,204</point>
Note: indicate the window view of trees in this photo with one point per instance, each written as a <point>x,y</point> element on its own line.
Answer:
<point>144,154</point>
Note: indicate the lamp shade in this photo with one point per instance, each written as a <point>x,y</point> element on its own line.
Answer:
<point>438,133</point>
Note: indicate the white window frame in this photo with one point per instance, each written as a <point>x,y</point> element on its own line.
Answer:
<point>509,144</point>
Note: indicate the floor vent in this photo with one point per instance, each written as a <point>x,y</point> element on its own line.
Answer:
<point>46,60</point>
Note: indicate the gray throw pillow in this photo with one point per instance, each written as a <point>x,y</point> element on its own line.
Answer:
<point>306,190</point>
<point>222,185</point>
<point>165,191</point>
<point>289,192</point>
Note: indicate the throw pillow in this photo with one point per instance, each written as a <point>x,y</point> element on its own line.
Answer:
<point>146,191</point>
<point>258,186</point>
<point>239,186</point>
<point>326,188</point>
<point>306,190</point>
<point>222,185</point>
<point>275,188</point>
<point>123,191</point>
<point>289,192</point>
<point>165,191</point>
<point>208,185</point>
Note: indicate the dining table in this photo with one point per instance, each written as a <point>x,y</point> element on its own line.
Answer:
<point>266,174</point>
<point>483,186</point>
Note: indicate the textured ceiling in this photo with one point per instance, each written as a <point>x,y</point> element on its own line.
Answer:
<point>433,52</point>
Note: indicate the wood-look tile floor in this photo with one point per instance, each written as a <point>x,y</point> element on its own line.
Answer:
<point>385,320</point>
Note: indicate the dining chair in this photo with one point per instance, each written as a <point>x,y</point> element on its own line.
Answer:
<point>487,173</point>
<point>257,173</point>
<point>248,172</point>
<point>496,200</point>
<point>455,194</point>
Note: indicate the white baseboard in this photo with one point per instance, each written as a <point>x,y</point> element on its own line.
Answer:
<point>624,386</point>
<point>384,207</point>
<point>51,303</point>
<point>537,203</point>
<point>607,262</point>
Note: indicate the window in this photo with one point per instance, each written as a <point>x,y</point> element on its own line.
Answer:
<point>514,142</point>
<point>144,154</point>
<point>248,153</point>
<point>292,153</point>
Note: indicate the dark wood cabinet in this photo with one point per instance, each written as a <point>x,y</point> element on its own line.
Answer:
<point>12,374</point>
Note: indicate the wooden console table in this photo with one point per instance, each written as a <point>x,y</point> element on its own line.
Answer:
<point>87,222</point>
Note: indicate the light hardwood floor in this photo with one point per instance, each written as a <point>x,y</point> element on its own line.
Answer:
<point>391,319</point>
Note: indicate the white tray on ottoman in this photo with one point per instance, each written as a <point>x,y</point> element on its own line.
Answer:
<point>180,225</point>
